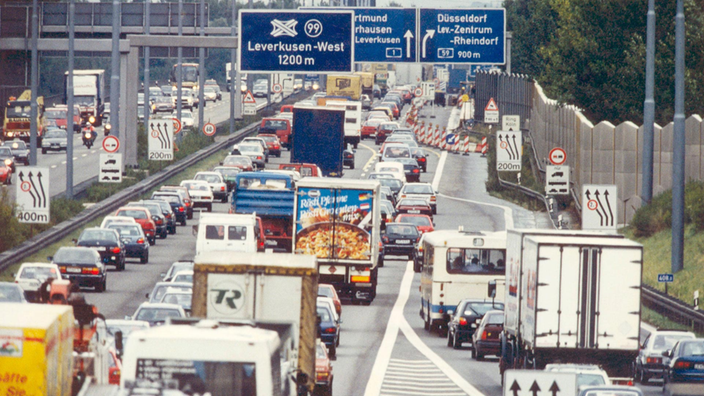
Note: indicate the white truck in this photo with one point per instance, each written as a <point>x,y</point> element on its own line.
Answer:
<point>272,292</point>
<point>218,232</point>
<point>353,117</point>
<point>571,297</point>
<point>88,94</point>
<point>338,221</point>
<point>409,73</point>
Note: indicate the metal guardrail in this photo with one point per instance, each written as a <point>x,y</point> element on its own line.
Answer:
<point>59,231</point>
<point>673,308</point>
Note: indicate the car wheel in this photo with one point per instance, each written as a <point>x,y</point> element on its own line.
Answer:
<point>416,266</point>
<point>333,351</point>
<point>183,223</point>
<point>172,229</point>
<point>380,262</point>
<point>435,210</point>
<point>190,216</point>
<point>457,344</point>
<point>224,199</point>
<point>643,378</point>
<point>145,258</point>
<point>152,241</point>
<point>163,234</point>
<point>450,340</point>
<point>210,208</point>
<point>121,267</point>
<point>352,166</point>
<point>43,151</point>
<point>105,284</point>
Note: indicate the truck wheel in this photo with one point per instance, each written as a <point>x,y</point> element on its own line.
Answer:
<point>121,266</point>
<point>210,208</point>
<point>224,199</point>
<point>416,266</point>
<point>476,355</point>
<point>380,262</point>
<point>333,351</point>
<point>426,321</point>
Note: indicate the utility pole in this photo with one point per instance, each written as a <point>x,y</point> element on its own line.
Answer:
<point>69,99</point>
<point>115,77</point>
<point>147,71</point>
<point>649,106</point>
<point>179,68</point>
<point>678,146</point>
<point>33,82</point>
<point>201,70</point>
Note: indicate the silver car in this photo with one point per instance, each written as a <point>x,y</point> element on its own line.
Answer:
<point>55,139</point>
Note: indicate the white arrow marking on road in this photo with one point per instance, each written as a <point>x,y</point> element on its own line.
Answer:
<point>408,36</point>
<point>428,34</point>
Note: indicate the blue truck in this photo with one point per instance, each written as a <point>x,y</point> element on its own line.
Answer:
<point>457,77</point>
<point>271,196</point>
<point>318,138</point>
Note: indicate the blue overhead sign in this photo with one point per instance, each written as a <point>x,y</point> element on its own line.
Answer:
<point>296,41</point>
<point>385,35</point>
<point>475,36</point>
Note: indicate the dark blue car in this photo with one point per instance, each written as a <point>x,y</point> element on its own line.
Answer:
<point>687,362</point>
<point>329,329</point>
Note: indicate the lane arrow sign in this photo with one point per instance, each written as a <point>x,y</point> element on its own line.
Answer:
<point>408,36</point>
<point>554,389</point>
<point>515,388</point>
<point>535,388</point>
<point>428,34</point>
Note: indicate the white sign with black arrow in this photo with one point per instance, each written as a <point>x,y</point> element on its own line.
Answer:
<point>508,150</point>
<point>539,383</point>
<point>32,196</point>
<point>161,140</point>
<point>599,205</point>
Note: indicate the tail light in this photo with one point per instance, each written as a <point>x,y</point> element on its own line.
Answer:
<point>321,375</point>
<point>417,239</point>
<point>62,269</point>
<point>115,250</point>
<point>385,239</point>
<point>180,209</point>
<point>463,322</point>
<point>653,360</point>
<point>403,196</point>
<point>222,188</point>
<point>432,198</point>
<point>276,147</point>
<point>140,240</point>
<point>91,271</point>
<point>259,157</point>
<point>421,159</point>
<point>330,330</point>
<point>360,278</point>
<point>684,365</point>
<point>159,221</point>
<point>484,335</point>
<point>415,171</point>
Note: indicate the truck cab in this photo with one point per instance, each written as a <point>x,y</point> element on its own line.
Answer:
<point>227,232</point>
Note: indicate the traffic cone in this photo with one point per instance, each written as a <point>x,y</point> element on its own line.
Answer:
<point>485,147</point>
<point>466,145</point>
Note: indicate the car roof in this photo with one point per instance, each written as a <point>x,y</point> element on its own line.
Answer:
<point>47,265</point>
<point>161,305</point>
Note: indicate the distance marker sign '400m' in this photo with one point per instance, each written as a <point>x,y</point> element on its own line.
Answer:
<point>296,41</point>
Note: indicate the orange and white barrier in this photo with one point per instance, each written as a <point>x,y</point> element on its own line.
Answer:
<point>443,139</point>
<point>456,148</point>
<point>419,131</point>
<point>437,142</point>
<point>465,146</point>
<point>485,147</point>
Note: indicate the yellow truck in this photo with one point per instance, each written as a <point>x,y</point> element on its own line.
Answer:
<point>367,82</point>
<point>36,349</point>
<point>348,85</point>
<point>17,118</point>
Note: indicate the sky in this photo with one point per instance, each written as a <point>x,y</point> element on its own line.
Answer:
<point>443,3</point>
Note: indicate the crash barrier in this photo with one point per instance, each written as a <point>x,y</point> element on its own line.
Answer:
<point>673,308</point>
<point>59,231</point>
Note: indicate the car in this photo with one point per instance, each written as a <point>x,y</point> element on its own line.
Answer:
<point>462,321</point>
<point>609,390</point>
<point>390,209</point>
<point>420,190</point>
<point>387,215</point>
<point>187,98</point>
<point>126,327</point>
<point>210,94</point>
<point>163,104</point>
<point>382,175</point>
<point>385,129</point>
<point>7,157</point>
<point>328,290</point>
<point>410,169</point>
<point>12,292</point>
<point>394,168</point>
<point>5,174</point>
<point>19,149</point>
<point>385,108</point>
<point>366,102</point>
<point>394,184</point>
<point>260,90</point>
<point>211,83</point>
<point>243,162</point>
<point>107,220</point>
<point>393,151</point>
<point>280,126</point>
<point>176,267</point>
<point>176,202</point>
<point>403,139</point>
<point>686,362</point>
<point>156,313</point>
<point>369,128</point>
<point>185,197</point>
<point>323,370</point>
<point>107,243</point>
<point>414,206</point>
<point>260,141</point>
<point>305,170</point>
<point>143,218</point>
<point>229,175</point>
<point>329,328</point>
<point>422,222</point>
<point>254,151</point>
<point>55,139</point>
<point>376,91</point>
<point>183,298</point>
<point>587,374</point>
<point>167,211</point>
<point>486,338</point>
<point>83,266</point>
<point>156,214</point>
<point>650,362</point>
<point>398,240</point>
<point>187,118</point>
<point>395,108</point>
<point>161,287</point>
<point>167,89</point>
<point>348,158</point>
<point>387,194</point>
<point>378,114</point>
<point>421,158</point>
<point>30,277</point>
<point>133,239</point>
<point>272,143</point>
<point>216,182</point>
<point>200,193</point>
<point>185,276</point>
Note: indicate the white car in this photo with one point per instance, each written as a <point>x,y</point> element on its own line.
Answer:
<point>395,168</point>
<point>253,151</point>
<point>260,90</point>
<point>117,219</point>
<point>210,94</point>
<point>157,313</point>
<point>180,297</point>
<point>261,141</point>
<point>200,193</point>
<point>187,98</point>
<point>216,182</point>
<point>420,190</point>
<point>183,276</point>
<point>31,275</point>
<point>187,118</point>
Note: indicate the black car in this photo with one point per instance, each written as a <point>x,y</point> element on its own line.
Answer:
<point>348,158</point>
<point>394,184</point>
<point>133,239</point>
<point>177,205</point>
<point>168,213</point>
<point>410,168</point>
<point>421,158</point>
<point>398,240</point>
<point>107,243</point>
<point>19,150</point>
<point>83,266</point>
<point>464,319</point>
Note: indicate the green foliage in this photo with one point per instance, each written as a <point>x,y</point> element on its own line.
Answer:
<point>657,216</point>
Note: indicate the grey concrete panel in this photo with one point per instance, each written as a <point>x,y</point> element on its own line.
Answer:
<point>45,44</point>
<point>626,159</point>
<point>663,147</point>
<point>603,153</point>
<point>586,155</point>
<point>693,148</point>
<point>583,128</point>
<point>183,41</point>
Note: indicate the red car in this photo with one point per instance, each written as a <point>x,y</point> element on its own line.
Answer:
<point>273,144</point>
<point>414,206</point>
<point>327,290</point>
<point>238,161</point>
<point>394,109</point>
<point>323,370</point>
<point>486,339</point>
<point>370,127</point>
<point>5,173</point>
<point>422,222</point>
<point>143,218</point>
<point>278,126</point>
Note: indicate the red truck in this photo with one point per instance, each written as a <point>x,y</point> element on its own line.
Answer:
<point>278,126</point>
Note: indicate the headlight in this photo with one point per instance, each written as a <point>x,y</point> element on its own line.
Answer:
<point>87,135</point>
<point>8,162</point>
<point>9,134</point>
<point>91,119</point>
<point>108,126</point>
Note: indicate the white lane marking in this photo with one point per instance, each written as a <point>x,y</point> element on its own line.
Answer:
<point>84,155</point>
<point>398,322</point>
<point>438,171</point>
<point>75,158</point>
<point>372,159</point>
<point>508,212</point>
<point>63,162</point>
<point>53,167</point>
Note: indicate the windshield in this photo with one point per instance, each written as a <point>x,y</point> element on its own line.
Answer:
<point>75,256</point>
<point>250,149</point>
<point>56,134</point>
<point>209,178</point>
<point>168,198</point>
<point>402,230</point>
<point>206,377</point>
<point>157,314</point>
<point>412,202</point>
<point>11,293</point>
<point>83,100</point>
<point>136,214</point>
<point>275,124</point>
<point>664,342</point>
<point>391,183</point>
<point>126,230</point>
<point>15,144</point>
<point>92,235</point>
<point>55,114</point>
<point>472,260</point>
<point>18,111</point>
<point>418,189</point>
<point>40,273</point>
<point>416,220</point>
<point>481,308</point>
<point>692,348</point>
<point>182,299</point>
<point>236,161</point>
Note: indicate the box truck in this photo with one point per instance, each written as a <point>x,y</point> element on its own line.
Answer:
<point>318,138</point>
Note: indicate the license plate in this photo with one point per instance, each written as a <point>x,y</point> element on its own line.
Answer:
<point>73,270</point>
<point>98,248</point>
<point>403,241</point>
<point>699,366</point>
<point>54,145</point>
<point>414,211</point>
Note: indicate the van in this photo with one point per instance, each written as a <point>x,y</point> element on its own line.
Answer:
<point>395,168</point>
<point>228,232</point>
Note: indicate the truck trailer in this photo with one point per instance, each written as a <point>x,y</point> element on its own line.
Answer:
<point>318,138</point>
<point>88,94</point>
<point>348,85</point>
<point>571,297</point>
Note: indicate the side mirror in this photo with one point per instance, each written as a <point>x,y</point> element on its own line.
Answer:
<point>450,312</point>
<point>437,192</point>
<point>74,240</point>
<point>667,353</point>
<point>163,274</point>
<point>118,341</point>
<point>145,296</point>
<point>491,289</point>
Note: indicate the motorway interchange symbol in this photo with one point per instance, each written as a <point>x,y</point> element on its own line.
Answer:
<point>286,28</point>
